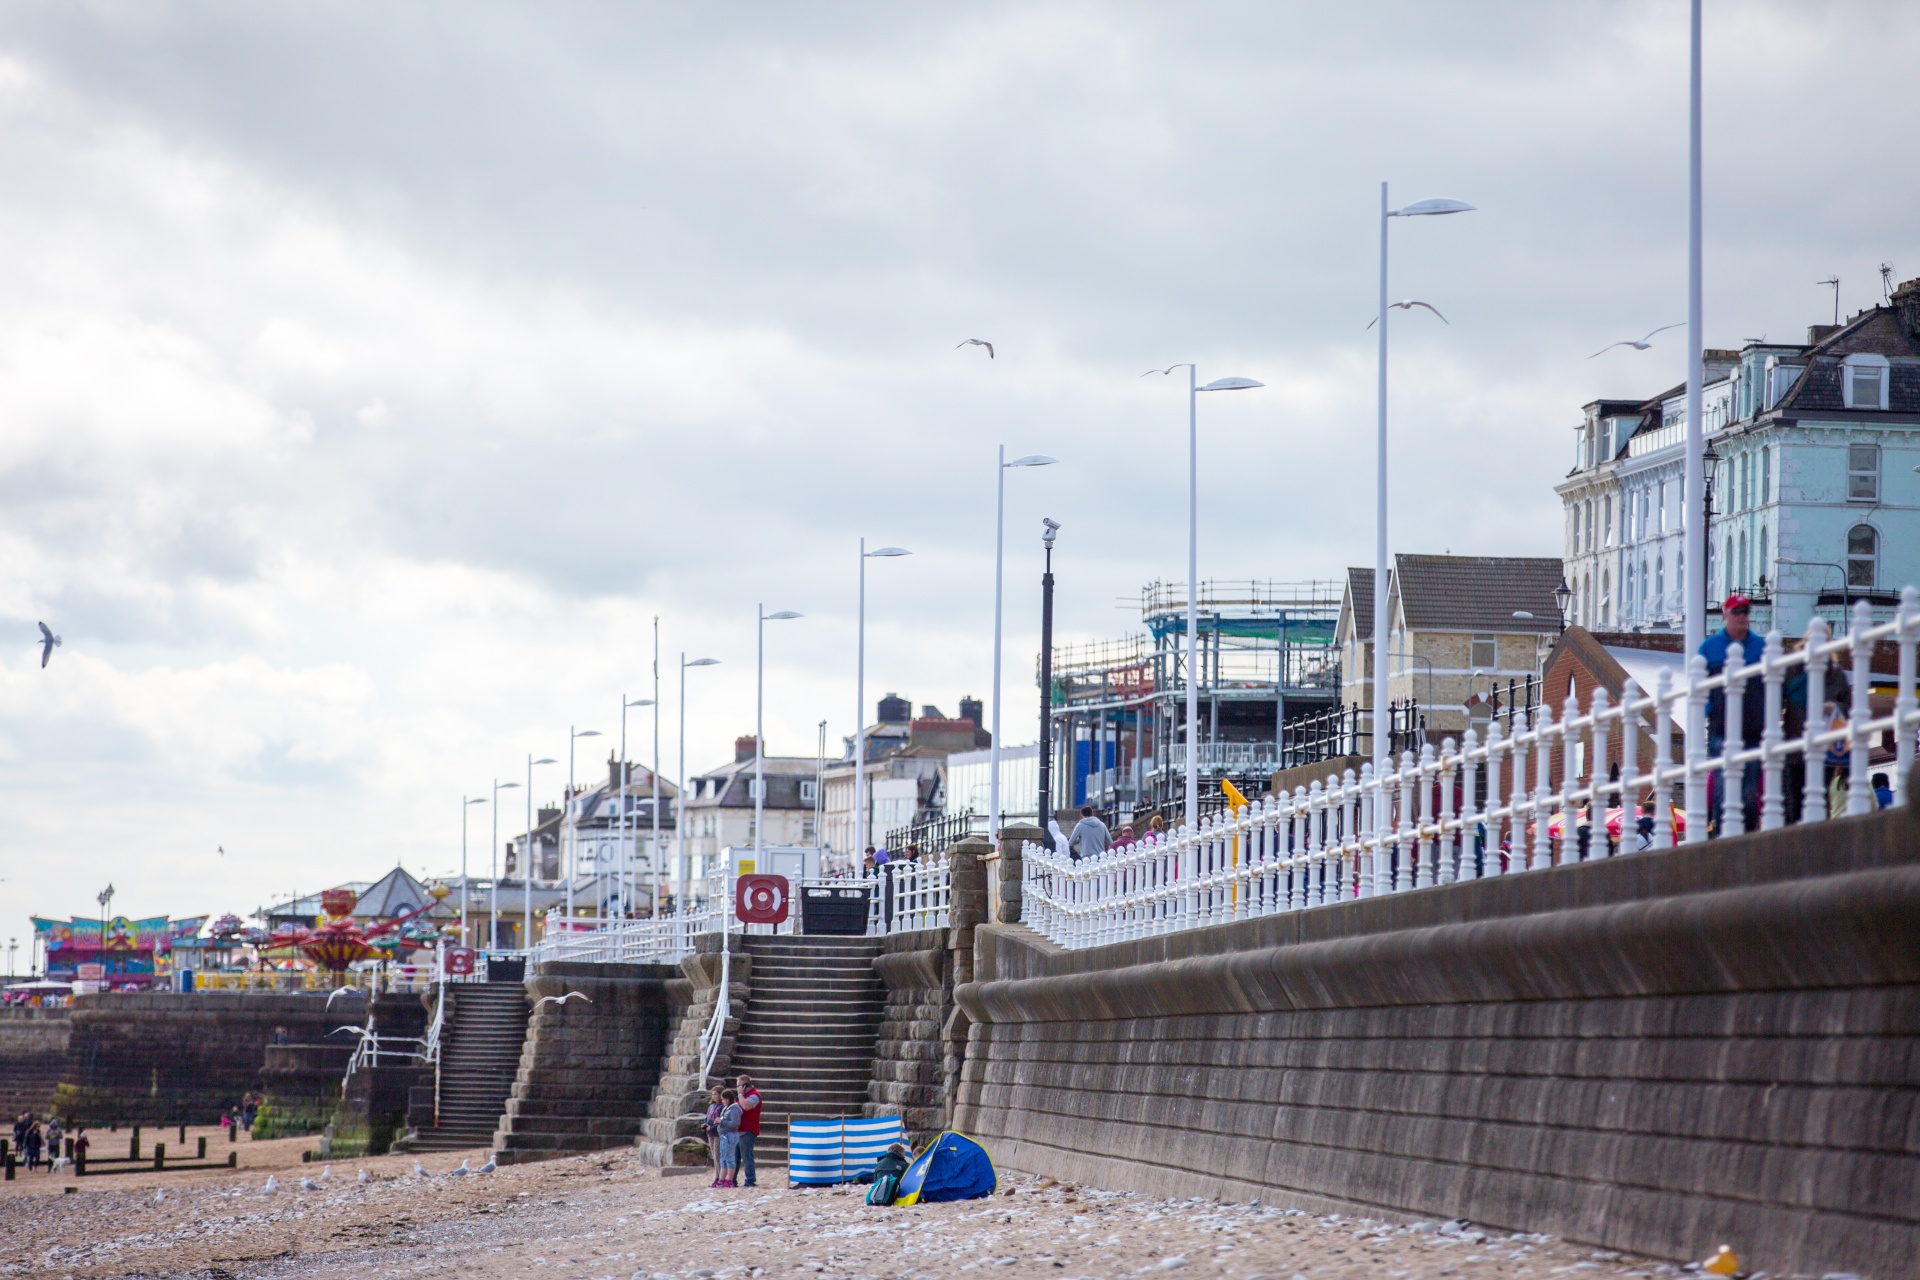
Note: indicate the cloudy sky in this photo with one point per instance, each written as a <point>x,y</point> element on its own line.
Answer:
<point>372,375</point>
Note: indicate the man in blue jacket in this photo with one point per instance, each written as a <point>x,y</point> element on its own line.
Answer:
<point>1736,610</point>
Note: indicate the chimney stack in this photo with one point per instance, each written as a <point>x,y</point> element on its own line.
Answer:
<point>1906,305</point>
<point>743,748</point>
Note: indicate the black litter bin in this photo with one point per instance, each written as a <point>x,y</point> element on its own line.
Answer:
<point>505,969</point>
<point>835,909</point>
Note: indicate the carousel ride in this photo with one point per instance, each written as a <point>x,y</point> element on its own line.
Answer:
<point>339,940</point>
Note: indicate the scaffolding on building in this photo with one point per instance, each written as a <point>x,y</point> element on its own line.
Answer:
<point>1265,658</point>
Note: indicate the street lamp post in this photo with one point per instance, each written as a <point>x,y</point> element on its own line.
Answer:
<point>526,859</point>
<point>683,872</point>
<point>1045,804</point>
<point>1709,468</point>
<point>653,845</point>
<point>1193,568</point>
<point>466,938</point>
<point>493,868</point>
<point>861,834</point>
<point>1381,746</point>
<point>759,723</point>
<point>1695,479</point>
<point>999,562</point>
<point>629,876</point>
<point>573,833</point>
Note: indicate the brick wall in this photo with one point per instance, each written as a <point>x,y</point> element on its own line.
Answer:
<point>33,1049</point>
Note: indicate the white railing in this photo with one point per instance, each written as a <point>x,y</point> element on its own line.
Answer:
<point>716,1028</point>
<point>922,897</point>
<point>1424,823</point>
<point>656,941</point>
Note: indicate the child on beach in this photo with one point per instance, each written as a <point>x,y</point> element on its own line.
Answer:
<point>729,1140</point>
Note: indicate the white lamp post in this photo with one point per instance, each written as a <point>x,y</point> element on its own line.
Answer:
<point>526,858</point>
<point>653,846</point>
<point>628,877</point>
<point>999,561</point>
<point>1695,481</point>
<point>1419,209</point>
<point>683,872</point>
<point>493,868</point>
<point>573,837</point>
<point>1193,569</point>
<point>759,723</point>
<point>862,836</point>
<point>466,939</point>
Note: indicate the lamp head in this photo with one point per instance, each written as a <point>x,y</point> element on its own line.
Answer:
<point>587,733</point>
<point>546,760</point>
<point>505,786</point>
<point>1523,615</point>
<point>1428,208</point>
<point>1033,460</point>
<point>890,551</point>
<point>641,702</point>
<point>1232,384</point>
<point>783,615</point>
<point>478,800</point>
<point>702,662</point>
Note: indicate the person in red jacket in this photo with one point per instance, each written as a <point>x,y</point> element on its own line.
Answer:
<point>749,1124</point>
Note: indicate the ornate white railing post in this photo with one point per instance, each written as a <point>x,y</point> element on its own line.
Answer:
<point>1663,761</point>
<point>1423,852</point>
<point>1695,780</point>
<point>1599,788</point>
<point>1448,834</point>
<point>1773,807</point>
<point>1908,636</point>
<point>1310,802</point>
<point>1470,815</point>
<point>1491,863</point>
<point>1859,787</point>
<point>1296,881</point>
<point>1517,803</point>
<point>1733,792</point>
<point>1570,782</point>
<point>1542,772</point>
<point>1350,855</point>
<point>1403,824</point>
<point>1813,799</point>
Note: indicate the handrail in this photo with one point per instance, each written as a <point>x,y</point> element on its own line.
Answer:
<point>1444,816</point>
<point>716,1027</point>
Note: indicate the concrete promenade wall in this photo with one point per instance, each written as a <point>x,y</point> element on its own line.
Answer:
<point>1659,1052</point>
<point>33,1049</point>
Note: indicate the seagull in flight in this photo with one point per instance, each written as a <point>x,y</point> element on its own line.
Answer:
<point>1639,345</point>
<point>48,643</point>
<point>571,995</point>
<point>970,342</point>
<point>1407,304</point>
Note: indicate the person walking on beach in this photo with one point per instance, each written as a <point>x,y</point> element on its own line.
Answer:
<point>711,1128</point>
<point>749,1125</point>
<point>34,1141</point>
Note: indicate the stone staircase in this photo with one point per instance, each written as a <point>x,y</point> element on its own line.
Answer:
<point>480,1043</point>
<point>670,1134</point>
<point>806,1032</point>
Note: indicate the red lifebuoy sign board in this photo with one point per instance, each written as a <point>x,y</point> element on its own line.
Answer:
<point>761,899</point>
<point>459,962</point>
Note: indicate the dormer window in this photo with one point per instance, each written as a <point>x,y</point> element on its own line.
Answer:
<point>1864,381</point>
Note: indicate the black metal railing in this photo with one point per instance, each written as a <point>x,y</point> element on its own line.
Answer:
<point>934,836</point>
<point>1348,731</point>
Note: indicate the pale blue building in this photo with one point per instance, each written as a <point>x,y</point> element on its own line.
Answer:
<point>1813,453</point>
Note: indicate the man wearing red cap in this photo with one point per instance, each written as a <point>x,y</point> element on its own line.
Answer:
<point>1736,610</point>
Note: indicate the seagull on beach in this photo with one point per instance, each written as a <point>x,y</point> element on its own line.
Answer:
<point>1407,304</point>
<point>571,995</point>
<point>420,1170</point>
<point>271,1184</point>
<point>308,1184</point>
<point>326,1173</point>
<point>488,1167</point>
<point>970,342</point>
<point>159,1197</point>
<point>1640,344</point>
<point>48,643</point>
<point>461,1172</point>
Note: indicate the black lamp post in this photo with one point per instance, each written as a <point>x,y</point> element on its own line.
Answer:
<point>1562,594</point>
<point>1709,464</point>
<point>1046,676</point>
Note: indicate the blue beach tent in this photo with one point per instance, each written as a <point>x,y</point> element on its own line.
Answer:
<point>955,1167</point>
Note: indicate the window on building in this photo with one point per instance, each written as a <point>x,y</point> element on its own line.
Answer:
<point>1726,568</point>
<point>1863,473</point>
<point>1864,382</point>
<point>1626,592</point>
<point>1586,602</point>
<point>1766,476</point>
<point>1760,561</point>
<point>1863,554</point>
<point>1589,524</point>
<point>1486,652</point>
<point>1606,598</point>
<point>1662,518</point>
<point>1746,574</point>
<point>808,791</point>
<point>1606,521</point>
<point>1660,581</point>
<point>1645,582</point>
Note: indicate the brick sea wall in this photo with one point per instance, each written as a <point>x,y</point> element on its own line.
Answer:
<point>909,1078</point>
<point>165,1058</point>
<point>1659,1052</point>
<point>33,1050</point>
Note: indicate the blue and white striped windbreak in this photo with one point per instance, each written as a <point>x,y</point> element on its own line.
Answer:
<point>822,1152</point>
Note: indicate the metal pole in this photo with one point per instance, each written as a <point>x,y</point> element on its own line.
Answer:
<point>1045,805</point>
<point>653,855</point>
<point>1696,428</point>
<point>759,729</point>
<point>620,774</point>
<point>1193,594</point>
<point>465,940</point>
<point>493,874</point>
<point>1381,729</point>
<point>861,834</point>
<point>681,872</point>
<point>573,844</point>
<point>993,742</point>
<point>526,867</point>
